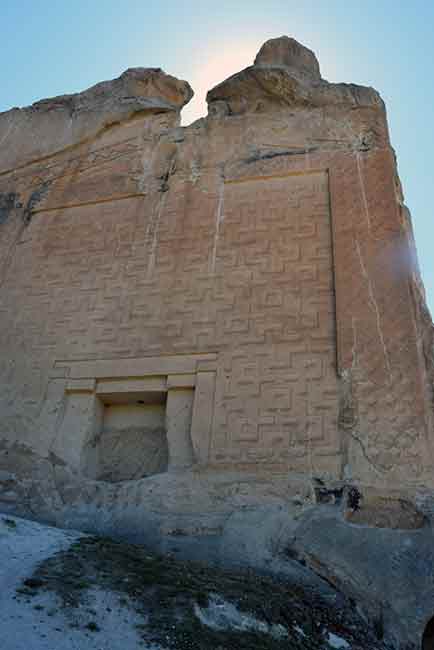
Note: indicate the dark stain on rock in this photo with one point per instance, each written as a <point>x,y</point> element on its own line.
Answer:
<point>269,155</point>
<point>35,198</point>
<point>8,202</point>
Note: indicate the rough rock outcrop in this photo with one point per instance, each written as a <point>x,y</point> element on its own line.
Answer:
<point>291,54</point>
<point>286,74</point>
<point>51,125</point>
<point>245,290</point>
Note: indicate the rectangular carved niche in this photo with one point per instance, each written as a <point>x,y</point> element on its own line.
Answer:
<point>132,440</point>
<point>118,427</point>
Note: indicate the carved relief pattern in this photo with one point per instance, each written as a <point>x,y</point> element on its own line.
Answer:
<point>279,388</point>
<point>244,269</point>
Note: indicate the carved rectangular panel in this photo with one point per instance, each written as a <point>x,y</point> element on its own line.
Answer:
<point>277,394</point>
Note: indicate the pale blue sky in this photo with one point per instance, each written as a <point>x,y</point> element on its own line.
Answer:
<point>55,47</point>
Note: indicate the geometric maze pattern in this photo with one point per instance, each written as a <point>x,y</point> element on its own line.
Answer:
<point>243,268</point>
<point>278,400</point>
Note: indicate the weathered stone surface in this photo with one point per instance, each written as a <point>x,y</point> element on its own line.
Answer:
<point>271,236</point>
<point>50,125</point>
<point>254,274</point>
<point>385,569</point>
<point>291,54</point>
<point>386,512</point>
<point>286,75</point>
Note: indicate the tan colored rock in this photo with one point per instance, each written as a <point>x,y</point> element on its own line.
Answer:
<point>290,53</point>
<point>286,74</point>
<point>252,281</point>
<point>51,125</point>
<point>261,260</point>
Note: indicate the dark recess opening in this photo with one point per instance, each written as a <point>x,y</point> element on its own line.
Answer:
<point>428,636</point>
<point>131,439</point>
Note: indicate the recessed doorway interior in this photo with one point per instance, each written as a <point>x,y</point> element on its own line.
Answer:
<point>132,439</point>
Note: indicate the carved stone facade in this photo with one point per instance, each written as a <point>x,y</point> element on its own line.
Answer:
<point>241,294</point>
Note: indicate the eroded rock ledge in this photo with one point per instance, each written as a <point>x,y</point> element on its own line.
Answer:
<point>51,125</point>
<point>286,74</point>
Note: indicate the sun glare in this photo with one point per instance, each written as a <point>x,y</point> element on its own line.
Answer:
<point>212,68</point>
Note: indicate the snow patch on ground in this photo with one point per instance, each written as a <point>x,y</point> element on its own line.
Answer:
<point>222,615</point>
<point>104,621</point>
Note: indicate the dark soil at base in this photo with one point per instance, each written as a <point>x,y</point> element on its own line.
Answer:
<point>167,591</point>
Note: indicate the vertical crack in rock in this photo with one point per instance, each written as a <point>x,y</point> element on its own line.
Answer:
<point>375,308</point>
<point>347,417</point>
<point>376,467</point>
<point>166,166</point>
<point>218,221</point>
<point>363,192</point>
<point>354,346</point>
<point>153,234</point>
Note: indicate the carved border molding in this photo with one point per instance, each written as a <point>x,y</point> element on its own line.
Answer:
<point>89,383</point>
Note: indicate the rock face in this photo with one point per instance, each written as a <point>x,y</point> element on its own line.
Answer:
<point>290,53</point>
<point>241,295</point>
<point>50,125</point>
